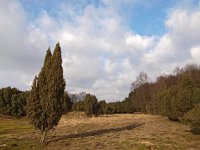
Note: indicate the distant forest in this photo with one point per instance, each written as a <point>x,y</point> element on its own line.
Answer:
<point>176,96</point>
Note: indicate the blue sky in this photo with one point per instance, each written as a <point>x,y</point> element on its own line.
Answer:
<point>105,43</point>
<point>145,18</point>
<point>149,20</point>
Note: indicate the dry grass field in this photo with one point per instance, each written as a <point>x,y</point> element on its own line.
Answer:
<point>108,132</point>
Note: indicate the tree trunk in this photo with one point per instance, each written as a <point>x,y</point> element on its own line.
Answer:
<point>44,133</point>
<point>147,109</point>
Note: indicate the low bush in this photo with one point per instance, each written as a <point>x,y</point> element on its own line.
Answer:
<point>192,118</point>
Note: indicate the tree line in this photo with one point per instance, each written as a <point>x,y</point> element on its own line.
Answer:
<point>176,95</point>
<point>13,101</point>
<point>91,106</point>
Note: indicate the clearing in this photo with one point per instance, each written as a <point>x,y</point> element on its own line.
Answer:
<point>116,132</point>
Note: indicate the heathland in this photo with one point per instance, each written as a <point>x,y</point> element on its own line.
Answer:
<point>76,131</point>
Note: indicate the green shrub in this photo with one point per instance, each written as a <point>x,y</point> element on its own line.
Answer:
<point>192,118</point>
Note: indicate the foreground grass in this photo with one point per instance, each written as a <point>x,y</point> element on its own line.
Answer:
<point>78,132</point>
<point>17,134</point>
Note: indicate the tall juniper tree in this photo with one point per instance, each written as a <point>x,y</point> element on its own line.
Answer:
<point>44,105</point>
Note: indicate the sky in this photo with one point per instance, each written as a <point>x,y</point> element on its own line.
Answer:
<point>105,43</point>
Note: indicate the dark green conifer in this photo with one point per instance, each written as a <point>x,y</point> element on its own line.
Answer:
<point>33,107</point>
<point>67,104</point>
<point>90,105</point>
<point>47,94</point>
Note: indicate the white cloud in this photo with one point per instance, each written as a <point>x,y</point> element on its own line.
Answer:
<point>101,54</point>
<point>183,26</point>
<point>178,46</point>
<point>162,51</point>
<point>137,42</point>
<point>20,46</point>
<point>195,52</point>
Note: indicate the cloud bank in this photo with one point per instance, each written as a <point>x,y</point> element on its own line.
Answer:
<point>101,53</point>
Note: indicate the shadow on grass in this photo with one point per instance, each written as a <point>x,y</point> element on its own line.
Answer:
<point>93,133</point>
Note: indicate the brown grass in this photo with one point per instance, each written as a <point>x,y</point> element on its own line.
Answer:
<point>121,131</point>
